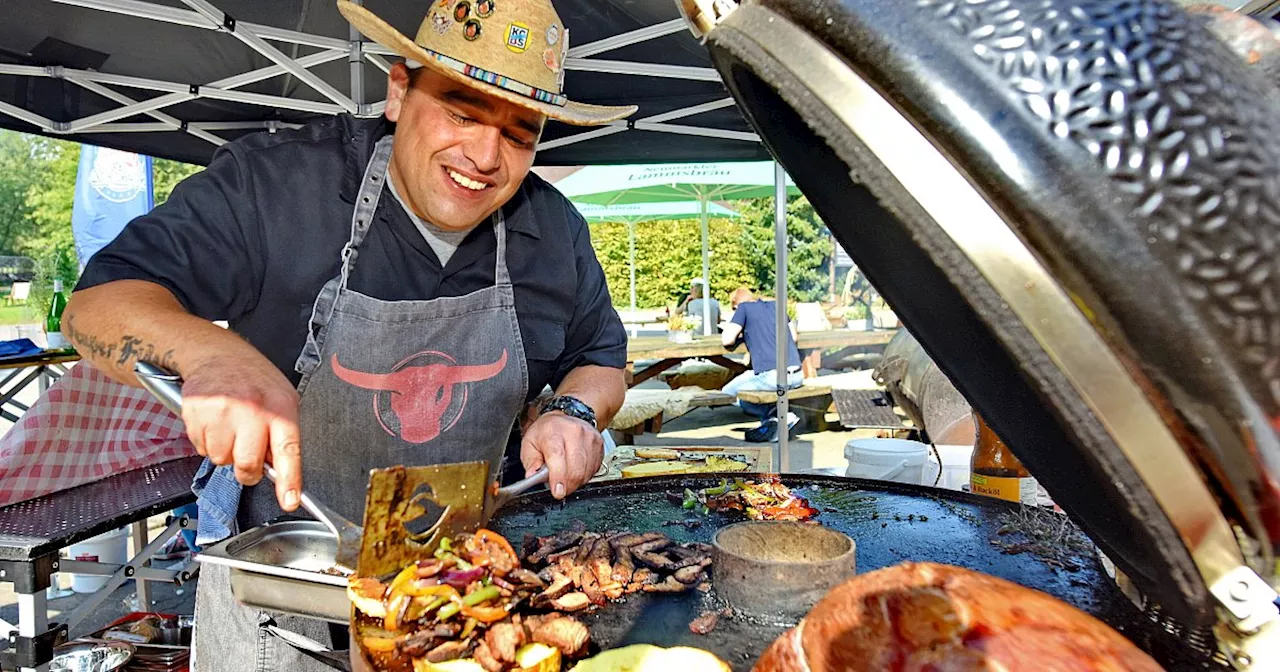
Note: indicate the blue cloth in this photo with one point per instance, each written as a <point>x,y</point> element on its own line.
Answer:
<point>189,536</point>
<point>759,323</point>
<point>217,500</point>
<point>22,347</point>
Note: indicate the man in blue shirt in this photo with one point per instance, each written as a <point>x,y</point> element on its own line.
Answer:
<point>755,323</point>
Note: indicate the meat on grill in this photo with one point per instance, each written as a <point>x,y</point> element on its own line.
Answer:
<point>604,567</point>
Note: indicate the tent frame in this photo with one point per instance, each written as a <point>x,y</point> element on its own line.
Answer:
<point>205,15</point>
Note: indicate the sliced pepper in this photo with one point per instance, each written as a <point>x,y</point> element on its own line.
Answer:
<point>424,588</point>
<point>468,628</point>
<point>409,572</point>
<point>395,609</point>
<point>379,644</point>
<point>485,614</point>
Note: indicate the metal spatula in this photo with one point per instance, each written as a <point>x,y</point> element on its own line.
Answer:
<point>167,387</point>
<point>408,510</point>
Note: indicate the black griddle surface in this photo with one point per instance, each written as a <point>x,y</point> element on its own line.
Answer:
<point>884,520</point>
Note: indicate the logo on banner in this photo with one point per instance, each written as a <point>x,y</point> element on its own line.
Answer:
<point>418,400</point>
<point>117,176</point>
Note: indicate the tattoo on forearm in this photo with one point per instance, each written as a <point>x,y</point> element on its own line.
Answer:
<point>130,348</point>
<point>89,343</point>
<point>134,348</point>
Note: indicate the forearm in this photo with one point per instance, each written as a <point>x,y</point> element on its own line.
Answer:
<point>120,323</point>
<point>600,387</point>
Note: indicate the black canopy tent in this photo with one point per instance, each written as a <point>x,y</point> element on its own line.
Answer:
<point>176,78</point>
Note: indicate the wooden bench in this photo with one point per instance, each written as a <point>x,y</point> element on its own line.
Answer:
<point>810,402</point>
<point>653,424</point>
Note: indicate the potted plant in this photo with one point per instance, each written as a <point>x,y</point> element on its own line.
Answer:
<point>679,329</point>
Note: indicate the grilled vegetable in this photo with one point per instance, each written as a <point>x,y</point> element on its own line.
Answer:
<point>649,658</point>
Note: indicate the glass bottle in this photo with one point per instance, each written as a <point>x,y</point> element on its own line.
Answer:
<point>53,321</point>
<point>995,471</point>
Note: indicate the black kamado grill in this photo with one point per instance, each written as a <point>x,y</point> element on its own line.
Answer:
<point>1074,205</point>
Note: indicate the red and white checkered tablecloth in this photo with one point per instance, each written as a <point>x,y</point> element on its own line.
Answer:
<point>84,428</point>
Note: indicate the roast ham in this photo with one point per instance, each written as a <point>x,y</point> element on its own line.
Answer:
<point>924,616</point>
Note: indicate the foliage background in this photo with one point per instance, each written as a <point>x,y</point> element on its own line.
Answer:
<point>37,187</point>
<point>669,255</point>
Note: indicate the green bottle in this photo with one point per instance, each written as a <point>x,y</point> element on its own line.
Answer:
<point>53,322</point>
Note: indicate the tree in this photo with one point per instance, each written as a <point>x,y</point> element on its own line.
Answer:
<point>166,175</point>
<point>50,198</point>
<point>668,257</point>
<point>808,247</point>
<point>16,177</point>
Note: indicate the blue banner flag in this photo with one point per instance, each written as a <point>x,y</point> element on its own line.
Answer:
<point>112,187</point>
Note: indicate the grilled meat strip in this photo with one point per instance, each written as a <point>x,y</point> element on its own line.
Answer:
<point>503,640</point>
<point>564,633</point>
<point>449,651</point>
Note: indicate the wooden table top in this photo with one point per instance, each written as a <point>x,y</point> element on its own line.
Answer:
<point>39,359</point>
<point>659,347</point>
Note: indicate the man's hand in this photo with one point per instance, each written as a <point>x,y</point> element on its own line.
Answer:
<point>239,409</point>
<point>570,448</point>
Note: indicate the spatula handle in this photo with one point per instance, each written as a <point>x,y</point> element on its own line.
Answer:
<point>331,519</point>
<point>539,477</point>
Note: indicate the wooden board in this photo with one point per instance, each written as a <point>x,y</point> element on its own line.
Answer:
<point>760,459</point>
<point>659,347</point>
<point>771,396</point>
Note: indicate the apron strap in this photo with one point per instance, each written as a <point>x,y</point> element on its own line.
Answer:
<point>366,204</point>
<point>501,276</point>
<point>327,300</point>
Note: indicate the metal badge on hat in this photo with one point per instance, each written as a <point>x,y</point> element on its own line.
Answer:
<point>471,30</point>
<point>484,8</point>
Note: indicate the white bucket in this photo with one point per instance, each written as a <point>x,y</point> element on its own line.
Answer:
<point>895,460</point>
<point>955,466</point>
<point>110,547</point>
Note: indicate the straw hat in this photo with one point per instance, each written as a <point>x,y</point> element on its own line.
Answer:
<point>511,49</point>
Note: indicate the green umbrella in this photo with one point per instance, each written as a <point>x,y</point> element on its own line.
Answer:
<point>635,213</point>
<point>702,182</point>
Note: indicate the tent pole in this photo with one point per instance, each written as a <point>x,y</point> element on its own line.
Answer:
<point>706,266</point>
<point>355,58</point>
<point>781,457</point>
<point>631,255</point>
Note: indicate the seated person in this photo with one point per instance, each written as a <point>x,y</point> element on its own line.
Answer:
<point>692,306</point>
<point>755,323</point>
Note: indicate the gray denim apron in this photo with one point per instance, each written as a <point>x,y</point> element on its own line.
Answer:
<point>383,383</point>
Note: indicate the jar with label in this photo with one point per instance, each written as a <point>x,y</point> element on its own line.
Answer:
<point>996,472</point>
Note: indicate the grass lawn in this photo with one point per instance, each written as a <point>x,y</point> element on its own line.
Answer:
<point>17,315</point>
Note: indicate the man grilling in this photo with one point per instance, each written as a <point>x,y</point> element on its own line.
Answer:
<point>396,289</point>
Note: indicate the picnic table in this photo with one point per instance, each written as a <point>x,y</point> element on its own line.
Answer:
<point>669,354</point>
<point>33,532</point>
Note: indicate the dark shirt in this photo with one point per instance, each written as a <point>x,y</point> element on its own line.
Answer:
<point>253,237</point>
<point>759,322</point>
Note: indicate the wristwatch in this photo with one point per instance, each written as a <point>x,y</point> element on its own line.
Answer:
<point>572,407</point>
